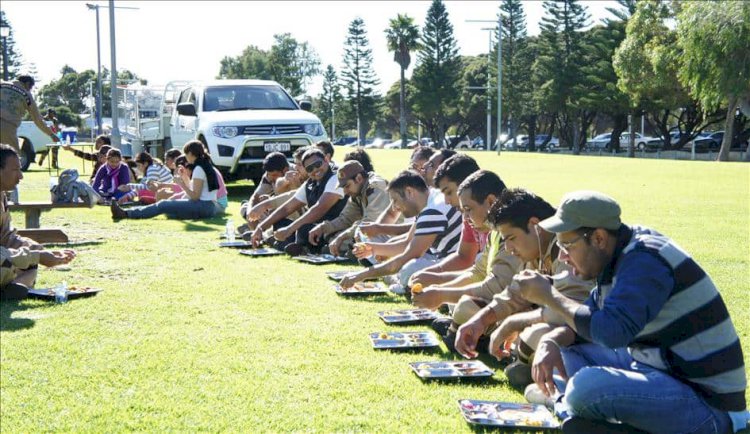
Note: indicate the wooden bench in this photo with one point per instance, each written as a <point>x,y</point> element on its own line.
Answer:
<point>44,236</point>
<point>33,210</point>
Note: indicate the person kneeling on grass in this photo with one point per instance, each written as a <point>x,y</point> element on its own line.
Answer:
<point>201,190</point>
<point>111,176</point>
<point>434,234</point>
<point>324,201</point>
<point>19,256</point>
<point>653,348</point>
<point>367,199</point>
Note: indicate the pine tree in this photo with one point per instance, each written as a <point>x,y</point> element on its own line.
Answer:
<point>359,77</point>
<point>330,101</point>
<point>437,72</point>
<point>515,66</point>
<point>15,60</point>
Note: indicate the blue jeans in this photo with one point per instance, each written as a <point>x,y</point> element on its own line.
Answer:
<point>183,209</point>
<point>607,384</point>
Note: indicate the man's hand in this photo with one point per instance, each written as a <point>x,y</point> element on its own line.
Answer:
<point>547,358</point>
<point>335,244</point>
<point>532,286</point>
<point>316,234</point>
<point>362,250</point>
<point>349,280</point>
<point>429,298</point>
<point>257,238</point>
<point>152,185</point>
<point>503,337</point>
<point>467,337</point>
<point>51,258</point>
<point>370,229</point>
<point>256,213</point>
<point>282,233</point>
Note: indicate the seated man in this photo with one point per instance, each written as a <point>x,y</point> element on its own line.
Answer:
<point>429,168</point>
<point>19,256</point>
<point>434,234</point>
<point>319,193</point>
<point>515,216</point>
<point>451,173</point>
<point>327,148</point>
<point>275,166</point>
<point>683,368</point>
<point>367,199</point>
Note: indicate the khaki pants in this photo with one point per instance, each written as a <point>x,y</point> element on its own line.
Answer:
<point>9,134</point>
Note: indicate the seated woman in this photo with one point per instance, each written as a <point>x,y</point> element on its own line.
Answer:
<point>110,176</point>
<point>152,170</point>
<point>200,189</point>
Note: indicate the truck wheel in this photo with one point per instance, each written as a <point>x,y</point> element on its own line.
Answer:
<point>27,154</point>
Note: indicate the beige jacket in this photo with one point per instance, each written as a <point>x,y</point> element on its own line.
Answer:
<point>506,303</point>
<point>497,275</point>
<point>366,207</point>
<point>16,252</point>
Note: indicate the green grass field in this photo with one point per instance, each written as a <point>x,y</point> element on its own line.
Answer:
<point>190,337</point>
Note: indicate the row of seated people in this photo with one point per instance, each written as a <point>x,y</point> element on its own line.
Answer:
<point>592,311</point>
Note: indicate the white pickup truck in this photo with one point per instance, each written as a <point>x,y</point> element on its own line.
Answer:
<point>239,121</point>
<point>31,140</point>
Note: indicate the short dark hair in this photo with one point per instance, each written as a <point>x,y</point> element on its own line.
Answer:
<point>26,79</point>
<point>326,147</point>
<point>407,178</point>
<point>456,169</point>
<point>422,153</point>
<point>172,154</point>
<point>6,151</point>
<point>104,149</point>
<point>105,139</point>
<point>181,161</point>
<point>482,184</point>
<point>447,153</point>
<point>114,153</point>
<point>299,152</point>
<point>516,206</point>
<point>275,162</point>
<point>361,156</point>
<point>144,158</point>
<point>312,152</point>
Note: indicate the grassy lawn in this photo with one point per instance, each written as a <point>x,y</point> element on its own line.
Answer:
<point>190,337</point>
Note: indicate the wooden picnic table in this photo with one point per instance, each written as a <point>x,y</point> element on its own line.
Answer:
<point>33,210</point>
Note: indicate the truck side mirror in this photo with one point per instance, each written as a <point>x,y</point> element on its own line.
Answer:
<point>186,109</point>
<point>305,105</point>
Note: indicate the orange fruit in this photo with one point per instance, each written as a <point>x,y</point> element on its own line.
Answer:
<point>417,288</point>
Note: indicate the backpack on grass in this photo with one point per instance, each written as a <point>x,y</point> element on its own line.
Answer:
<point>70,190</point>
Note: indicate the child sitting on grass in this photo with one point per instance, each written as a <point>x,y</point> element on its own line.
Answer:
<point>110,176</point>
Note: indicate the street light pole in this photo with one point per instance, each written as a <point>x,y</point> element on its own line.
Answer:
<point>5,33</point>
<point>499,78</point>
<point>99,90</point>
<point>115,136</point>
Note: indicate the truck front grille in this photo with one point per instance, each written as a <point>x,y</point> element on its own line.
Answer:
<point>271,130</point>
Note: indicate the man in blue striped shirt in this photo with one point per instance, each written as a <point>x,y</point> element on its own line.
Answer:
<point>653,348</point>
<point>436,232</point>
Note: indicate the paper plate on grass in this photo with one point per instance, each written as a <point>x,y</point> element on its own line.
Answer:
<point>73,292</point>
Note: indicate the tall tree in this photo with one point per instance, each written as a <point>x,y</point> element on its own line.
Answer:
<point>402,36</point>
<point>359,77</point>
<point>329,101</point>
<point>515,87</point>
<point>715,42</point>
<point>14,57</point>
<point>559,67</point>
<point>436,75</point>
<point>251,63</point>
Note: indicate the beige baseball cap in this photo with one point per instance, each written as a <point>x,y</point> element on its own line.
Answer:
<point>349,170</point>
<point>584,209</point>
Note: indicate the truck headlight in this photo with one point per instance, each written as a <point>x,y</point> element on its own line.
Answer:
<point>314,129</point>
<point>225,132</point>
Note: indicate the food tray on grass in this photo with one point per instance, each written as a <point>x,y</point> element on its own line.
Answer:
<point>73,292</point>
<point>236,244</point>
<point>338,275</point>
<point>362,288</point>
<point>403,340</point>
<point>263,251</point>
<point>447,370</point>
<point>507,414</point>
<point>321,259</point>
<point>408,316</point>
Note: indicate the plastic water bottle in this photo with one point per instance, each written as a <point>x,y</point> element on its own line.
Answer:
<point>230,230</point>
<point>67,139</point>
<point>61,293</point>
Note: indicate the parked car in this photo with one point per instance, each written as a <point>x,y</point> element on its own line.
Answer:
<point>345,141</point>
<point>522,141</point>
<point>642,143</point>
<point>706,141</point>
<point>543,142</point>
<point>377,143</point>
<point>601,142</point>
<point>32,140</point>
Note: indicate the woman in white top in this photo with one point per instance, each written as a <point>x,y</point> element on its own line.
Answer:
<point>200,190</point>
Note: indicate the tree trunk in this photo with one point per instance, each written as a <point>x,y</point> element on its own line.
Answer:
<point>619,125</point>
<point>631,138</point>
<point>576,144</point>
<point>402,116</point>
<point>726,144</point>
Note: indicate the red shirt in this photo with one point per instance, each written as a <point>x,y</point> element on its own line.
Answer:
<point>472,236</point>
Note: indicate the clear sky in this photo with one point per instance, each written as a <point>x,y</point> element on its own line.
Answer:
<point>186,40</point>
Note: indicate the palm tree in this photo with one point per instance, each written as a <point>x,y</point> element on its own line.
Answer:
<point>402,37</point>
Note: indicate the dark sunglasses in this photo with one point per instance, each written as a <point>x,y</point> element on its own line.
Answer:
<point>314,166</point>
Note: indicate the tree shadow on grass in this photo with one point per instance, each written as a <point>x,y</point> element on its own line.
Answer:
<point>8,324</point>
<point>211,225</point>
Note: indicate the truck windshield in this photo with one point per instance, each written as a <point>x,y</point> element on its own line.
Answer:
<point>228,98</point>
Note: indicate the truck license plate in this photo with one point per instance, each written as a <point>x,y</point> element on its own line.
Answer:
<point>277,146</point>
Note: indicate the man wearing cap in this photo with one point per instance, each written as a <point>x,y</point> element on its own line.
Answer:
<point>367,199</point>
<point>15,101</point>
<point>652,348</point>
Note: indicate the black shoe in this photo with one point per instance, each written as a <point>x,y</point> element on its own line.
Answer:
<point>579,425</point>
<point>117,212</point>
<point>483,344</point>
<point>441,325</point>
<point>518,374</point>
<point>14,291</point>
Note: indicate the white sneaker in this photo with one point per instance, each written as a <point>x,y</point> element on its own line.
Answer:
<point>534,395</point>
<point>397,288</point>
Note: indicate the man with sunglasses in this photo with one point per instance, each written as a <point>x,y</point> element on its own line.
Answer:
<point>652,348</point>
<point>367,199</point>
<point>322,197</point>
